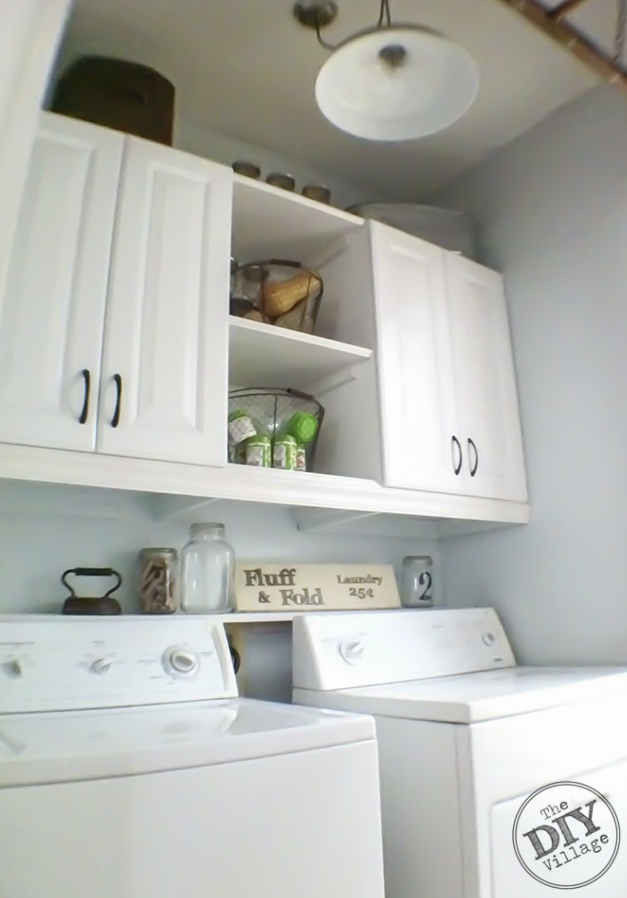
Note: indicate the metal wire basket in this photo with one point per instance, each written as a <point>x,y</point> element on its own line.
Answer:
<point>271,428</point>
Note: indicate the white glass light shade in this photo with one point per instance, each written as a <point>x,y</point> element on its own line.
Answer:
<point>432,85</point>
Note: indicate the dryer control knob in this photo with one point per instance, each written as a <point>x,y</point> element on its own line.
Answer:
<point>489,638</point>
<point>181,662</point>
<point>352,652</point>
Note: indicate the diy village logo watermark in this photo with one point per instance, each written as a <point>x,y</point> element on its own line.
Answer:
<point>566,835</point>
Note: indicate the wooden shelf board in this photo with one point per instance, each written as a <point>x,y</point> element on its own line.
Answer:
<point>262,355</point>
<point>269,222</point>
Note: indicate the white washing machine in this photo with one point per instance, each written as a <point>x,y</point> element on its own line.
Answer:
<point>130,769</point>
<point>488,770</point>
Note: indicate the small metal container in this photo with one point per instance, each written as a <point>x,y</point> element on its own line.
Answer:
<point>248,169</point>
<point>317,192</point>
<point>286,182</point>
<point>158,584</point>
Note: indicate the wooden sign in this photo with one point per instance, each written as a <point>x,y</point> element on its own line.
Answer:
<point>262,586</point>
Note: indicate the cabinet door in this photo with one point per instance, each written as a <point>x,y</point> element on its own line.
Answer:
<point>52,308</point>
<point>165,367</point>
<point>485,380</point>
<point>29,37</point>
<point>416,385</point>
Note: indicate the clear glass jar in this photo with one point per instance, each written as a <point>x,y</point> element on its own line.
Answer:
<point>158,581</point>
<point>207,571</point>
<point>417,581</point>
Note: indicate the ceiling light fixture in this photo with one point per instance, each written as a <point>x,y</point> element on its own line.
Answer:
<point>390,82</point>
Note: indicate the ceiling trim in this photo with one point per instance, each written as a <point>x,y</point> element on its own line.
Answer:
<point>554,23</point>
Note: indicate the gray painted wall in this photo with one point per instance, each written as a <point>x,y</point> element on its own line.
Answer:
<point>553,207</point>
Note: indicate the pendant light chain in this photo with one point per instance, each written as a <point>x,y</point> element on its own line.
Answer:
<point>385,21</point>
<point>621,27</point>
<point>385,14</point>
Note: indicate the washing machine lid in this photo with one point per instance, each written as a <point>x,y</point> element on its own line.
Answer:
<point>82,745</point>
<point>471,698</point>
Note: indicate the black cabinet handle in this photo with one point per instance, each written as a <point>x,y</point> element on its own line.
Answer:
<point>118,403</point>
<point>83,415</point>
<point>473,468</point>
<point>457,466</point>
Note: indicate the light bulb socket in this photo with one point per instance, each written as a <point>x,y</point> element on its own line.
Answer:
<point>394,56</point>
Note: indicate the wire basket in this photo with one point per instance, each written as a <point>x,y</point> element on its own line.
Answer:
<point>271,428</point>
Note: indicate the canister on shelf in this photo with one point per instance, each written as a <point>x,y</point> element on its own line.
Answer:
<point>284,455</point>
<point>417,581</point>
<point>159,581</point>
<point>258,451</point>
<point>303,426</point>
<point>244,167</point>
<point>301,458</point>
<point>317,192</point>
<point>277,179</point>
<point>241,426</point>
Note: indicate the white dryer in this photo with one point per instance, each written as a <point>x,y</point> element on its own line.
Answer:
<point>497,781</point>
<point>129,768</point>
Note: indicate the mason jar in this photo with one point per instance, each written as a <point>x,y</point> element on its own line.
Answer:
<point>207,571</point>
<point>417,581</point>
<point>159,581</point>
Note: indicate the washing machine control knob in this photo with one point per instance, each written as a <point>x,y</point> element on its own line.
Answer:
<point>352,651</point>
<point>489,638</point>
<point>101,665</point>
<point>13,668</point>
<point>181,662</point>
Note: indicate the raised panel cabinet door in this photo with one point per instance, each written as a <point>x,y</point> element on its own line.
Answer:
<point>52,309</point>
<point>494,464</point>
<point>30,31</point>
<point>165,367</point>
<point>421,448</point>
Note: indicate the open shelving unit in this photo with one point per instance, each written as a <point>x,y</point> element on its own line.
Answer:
<point>275,223</point>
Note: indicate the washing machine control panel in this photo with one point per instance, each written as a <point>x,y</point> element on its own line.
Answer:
<point>339,651</point>
<point>54,663</point>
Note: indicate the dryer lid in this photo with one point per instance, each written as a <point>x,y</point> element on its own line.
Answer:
<point>471,698</point>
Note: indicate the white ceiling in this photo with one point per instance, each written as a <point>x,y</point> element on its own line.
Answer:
<point>246,69</point>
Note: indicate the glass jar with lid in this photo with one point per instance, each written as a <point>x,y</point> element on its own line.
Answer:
<point>207,571</point>
<point>417,581</point>
<point>158,581</point>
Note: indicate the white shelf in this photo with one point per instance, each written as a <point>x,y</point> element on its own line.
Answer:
<point>274,617</point>
<point>262,355</point>
<point>270,223</point>
<point>448,515</point>
<point>258,617</point>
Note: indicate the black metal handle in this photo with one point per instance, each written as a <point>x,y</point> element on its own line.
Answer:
<point>457,466</point>
<point>92,572</point>
<point>473,468</point>
<point>115,420</point>
<point>83,415</point>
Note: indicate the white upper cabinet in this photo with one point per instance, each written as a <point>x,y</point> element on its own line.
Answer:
<point>30,31</point>
<point>52,309</point>
<point>489,422</point>
<point>165,367</point>
<point>416,380</point>
<point>449,410</point>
